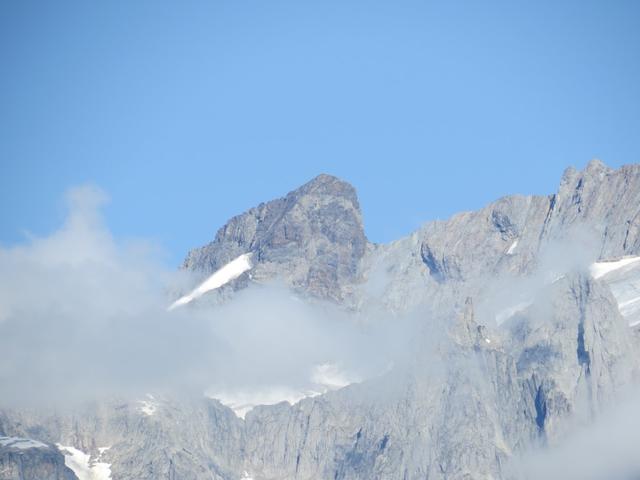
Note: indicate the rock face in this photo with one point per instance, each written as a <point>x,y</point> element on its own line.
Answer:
<point>198,439</point>
<point>486,381</point>
<point>595,213</point>
<point>27,459</point>
<point>312,239</point>
<point>465,406</point>
<point>510,232</point>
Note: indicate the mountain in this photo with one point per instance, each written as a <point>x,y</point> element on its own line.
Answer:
<point>313,239</point>
<point>528,326</point>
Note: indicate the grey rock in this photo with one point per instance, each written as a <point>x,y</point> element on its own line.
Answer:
<point>597,211</point>
<point>199,439</point>
<point>312,239</point>
<point>27,459</point>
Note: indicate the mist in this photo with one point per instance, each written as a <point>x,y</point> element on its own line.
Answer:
<point>83,315</point>
<point>606,448</point>
<point>502,296</point>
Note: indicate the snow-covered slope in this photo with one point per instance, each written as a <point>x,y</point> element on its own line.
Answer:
<point>85,467</point>
<point>600,269</point>
<point>220,277</point>
<point>623,277</point>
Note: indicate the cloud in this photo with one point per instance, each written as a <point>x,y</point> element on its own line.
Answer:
<point>607,448</point>
<point>84,315</point>
<point>505,295</point>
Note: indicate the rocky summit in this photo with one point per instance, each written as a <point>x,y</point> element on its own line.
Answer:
<point>527,328</point>
<point>313,239</point>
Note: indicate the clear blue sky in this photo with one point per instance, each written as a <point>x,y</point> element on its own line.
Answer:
<point>189,112</point>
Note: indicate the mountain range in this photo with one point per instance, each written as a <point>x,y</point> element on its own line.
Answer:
<point>525,326</point>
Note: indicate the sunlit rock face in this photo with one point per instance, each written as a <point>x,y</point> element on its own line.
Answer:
<point>525,309</point>
<point>312,239</point>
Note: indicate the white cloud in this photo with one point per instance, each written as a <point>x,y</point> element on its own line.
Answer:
<point>84,315</point>
<point>605,449</point>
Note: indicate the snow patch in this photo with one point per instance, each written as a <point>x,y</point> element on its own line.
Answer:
<point>623,278</point>
<point>512,248</point>
<point>83,465</point>
<point>21,443</point>
<point>628,304</point>
<point>149,406</point>
<point>600,269</point>
<point>220,277</point>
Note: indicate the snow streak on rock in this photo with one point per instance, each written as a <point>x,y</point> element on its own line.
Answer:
<point>222,276</point>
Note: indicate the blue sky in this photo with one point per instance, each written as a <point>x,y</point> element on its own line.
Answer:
<point>187,113</point>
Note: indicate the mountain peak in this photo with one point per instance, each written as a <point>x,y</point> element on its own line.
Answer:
<point>597,166</point>
<point>323,178</point>
<point>312,238</point>
<point>330,185</point>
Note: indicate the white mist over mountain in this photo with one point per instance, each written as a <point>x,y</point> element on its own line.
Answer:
<point>84,316</point>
